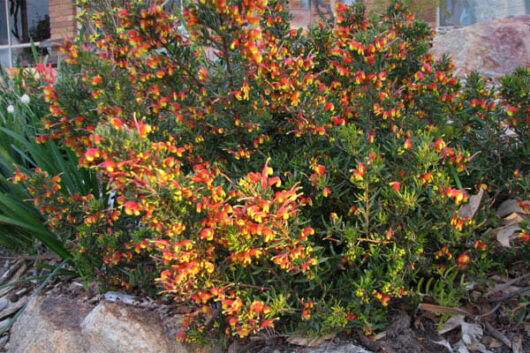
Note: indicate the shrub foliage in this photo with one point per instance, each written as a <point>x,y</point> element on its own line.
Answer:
<point>269,177</point>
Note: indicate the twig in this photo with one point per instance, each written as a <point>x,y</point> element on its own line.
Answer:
<point>373,241</point>
<point>506,285</point>
<point>365,341</point>
<point>443,309</point>
<point>32,257</point>
<point>367,209</point>
<point>496,334</point>
<point>247,347</point>
<point>242,285</point>
<point>509,295</point>
<point>269,267</point>
<point>10,272</point>
<point>210,320</point>
<point>266,337</point>
<point>489,312</point>
<point>517,345</point>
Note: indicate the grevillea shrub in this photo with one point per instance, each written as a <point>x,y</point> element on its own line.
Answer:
<point>262,176</point>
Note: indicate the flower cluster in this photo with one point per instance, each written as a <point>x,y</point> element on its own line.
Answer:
<point>258,171</point>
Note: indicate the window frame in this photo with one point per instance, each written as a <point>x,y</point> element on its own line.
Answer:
<point>10,46</point>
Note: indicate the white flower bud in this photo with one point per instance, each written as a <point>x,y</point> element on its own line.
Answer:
<point>10,109</point>
<point>25,99</point>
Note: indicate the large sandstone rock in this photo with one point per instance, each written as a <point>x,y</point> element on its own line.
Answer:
<point>49,325</point>
<point>62,325</point>
<point>69,325</point>
<point>115,328</point>
<point>493,48</point>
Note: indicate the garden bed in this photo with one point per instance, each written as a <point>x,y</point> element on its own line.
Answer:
<point>290,187</point>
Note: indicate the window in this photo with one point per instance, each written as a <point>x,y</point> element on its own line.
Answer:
<point>305,4</point>
<point>23,21</point>
<point>467,12</point>
<point>348,2</point>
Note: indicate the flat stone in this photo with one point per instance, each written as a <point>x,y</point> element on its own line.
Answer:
<point>49,325</point>
<point>68,325</point>
<point>115,328</point>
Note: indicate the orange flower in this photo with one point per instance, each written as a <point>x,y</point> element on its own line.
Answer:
<point>358,173</point>
<point>439,144</point>
<point>427,178</point>
<point>19,176</point>
<point>231,307</point>
<point>267,323</point>
<point>320,169</point>
<point>207,234</point>
<point>463,260</point>
<point>396,185</point>
<point>132,208</point>
<point>256,307</point>
<point>92,153</point>
<point>203,74</point>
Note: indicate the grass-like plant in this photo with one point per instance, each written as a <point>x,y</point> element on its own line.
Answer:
<point>22,227</point>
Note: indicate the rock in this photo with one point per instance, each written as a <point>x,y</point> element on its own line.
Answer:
<point>66,325</point>
<point>49,325</point>
<point>494,48</point>
<point>115,328</point>
<point>69,325</point>
<point>121,297</point>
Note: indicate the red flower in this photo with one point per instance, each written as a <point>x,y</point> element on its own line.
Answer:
<point>207,234</point>
<point>132,208</point>
<point>267,323</point>
<point>463,260</point>
<point>19,176</point>
<point>439,144</point>
<point>358,173</point>
<point>320,169</point>
<point>396,185</point>
<point>92,153</point>
<point>203,74</point>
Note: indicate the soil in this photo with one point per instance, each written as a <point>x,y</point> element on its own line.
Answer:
<point>502,314</point>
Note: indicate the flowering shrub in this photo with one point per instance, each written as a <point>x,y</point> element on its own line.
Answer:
<point>22,105</point>
<point>263,175</point>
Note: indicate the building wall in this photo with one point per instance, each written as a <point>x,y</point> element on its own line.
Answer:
<point>425,10</point>
<point>62,19</point>
<point>62,14</point>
